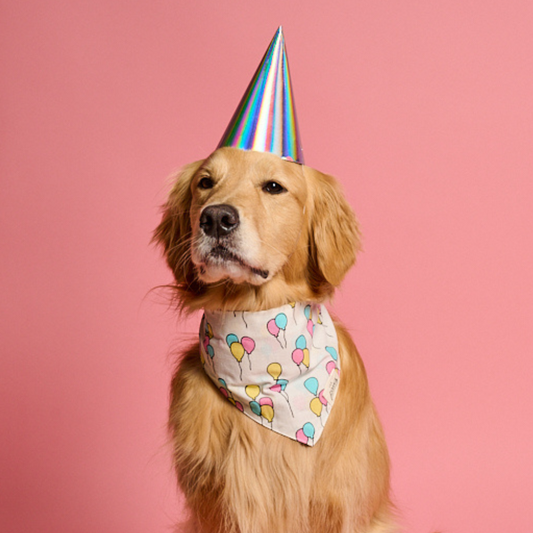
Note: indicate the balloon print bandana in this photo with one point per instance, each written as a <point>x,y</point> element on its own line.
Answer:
<point>279,367</point>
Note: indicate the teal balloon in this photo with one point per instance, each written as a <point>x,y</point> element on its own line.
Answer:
<point>301,343</point>
<point>307,312</point>
<point>223,383</point>
<point>309,430</point>
<point>311,384</point>
<point>283,383</point>
<point>210,351</point>
<point>231,338</point>
<point>256,408</point>
<point>332,352</point>
<point>281,321</point>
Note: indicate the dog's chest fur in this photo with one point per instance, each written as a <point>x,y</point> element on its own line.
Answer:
<point>259,481</point>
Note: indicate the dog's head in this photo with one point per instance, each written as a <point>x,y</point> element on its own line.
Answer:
<point>245,228</point>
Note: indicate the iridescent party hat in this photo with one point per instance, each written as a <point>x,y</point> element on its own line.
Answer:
<point>265,120</point>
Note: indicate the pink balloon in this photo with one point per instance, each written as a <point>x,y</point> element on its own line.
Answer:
<point>331,366</point>
<point>248,344</point>
<point>206,343</point>
<point>276,388</point>
<point>266,401</point>
<point>272,328</point>
<point>323,400</point>
<point>310,327</point>
<point>239,406</point>
<point>298,356</point>
<point>300,436</point>
<point>224,392</point>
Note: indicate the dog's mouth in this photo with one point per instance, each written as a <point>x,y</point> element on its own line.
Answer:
<point>219,254</point>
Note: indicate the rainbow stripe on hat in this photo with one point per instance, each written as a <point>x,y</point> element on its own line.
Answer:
<point>265,120</point>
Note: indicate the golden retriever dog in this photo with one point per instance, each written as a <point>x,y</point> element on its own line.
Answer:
<point>248,231</point>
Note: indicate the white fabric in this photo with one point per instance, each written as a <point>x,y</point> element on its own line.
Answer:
<point>280,367</point>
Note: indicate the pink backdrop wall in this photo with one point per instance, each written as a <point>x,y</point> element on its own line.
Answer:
<point>424,112</point>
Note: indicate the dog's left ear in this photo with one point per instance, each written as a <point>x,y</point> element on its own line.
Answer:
<point>334,237</point>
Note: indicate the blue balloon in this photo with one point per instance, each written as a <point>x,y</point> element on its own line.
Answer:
<point>301,342</point>
<point>311,384</point>
<point>231,338</point>
<point>307,312</point>
<point>256,408</point>
<point>281,321</point>
<point>309,430</point>
<point>223,383</point>
<point>210,351</point>
<point>283,383</point>
<point>332,352</point>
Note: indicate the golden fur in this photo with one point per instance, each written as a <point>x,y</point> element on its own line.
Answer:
<point>236,476</point>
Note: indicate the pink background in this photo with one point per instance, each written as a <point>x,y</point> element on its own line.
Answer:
<point>424,111</point>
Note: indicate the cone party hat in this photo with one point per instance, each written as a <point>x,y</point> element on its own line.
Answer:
<point>265,120</point>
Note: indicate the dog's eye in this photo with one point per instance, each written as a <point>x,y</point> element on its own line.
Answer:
<point>271,187</point>
<point>205,183</point>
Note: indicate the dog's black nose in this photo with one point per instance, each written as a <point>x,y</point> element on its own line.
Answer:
<point>219,220</point>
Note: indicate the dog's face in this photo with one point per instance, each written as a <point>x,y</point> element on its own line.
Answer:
<point>249,219</point>
<point>247,212</point>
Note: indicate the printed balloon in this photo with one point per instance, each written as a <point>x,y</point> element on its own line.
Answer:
<point>316,406</point>
<point>322,398</point>
<point>331,366</point>
<point>306,357</point>
<point>298,356</point>
<point>309,430</point>
<point>256,408</point>
<point>237,351</point>
<point>267,411</point>
<point>282,383</point>
<point>281,320</point>
<point>272,328</point>
<point>274,369</point>
<point>332,352</point>
<point>252,391</point>
<point>248,344</point>
<point>311,384</point>
<point>301,343</point>
<point>307,312</point>
<point>266,401</point>
<point>300,436</point>
<point>231,338</point>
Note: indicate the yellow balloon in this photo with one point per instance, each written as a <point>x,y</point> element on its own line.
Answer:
<point>202,357</point>
<point>274,369</point>
<point>292,304</point>
<point>209,331</point>
<point>316,406</point>
<point>252,391</point>
<point>306,357</point>
<point>237,350</point>
<point>231,400</point>
<point>267,412</point>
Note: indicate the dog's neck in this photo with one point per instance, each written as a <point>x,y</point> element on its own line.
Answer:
<point>279,366</point>
<point>227,296</point>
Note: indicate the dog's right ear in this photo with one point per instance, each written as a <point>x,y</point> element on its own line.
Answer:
<point>334,237</point>
<point>174,232</point>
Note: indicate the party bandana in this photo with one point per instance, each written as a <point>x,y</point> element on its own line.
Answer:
<point>279,367</point>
